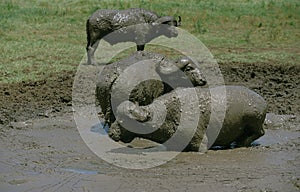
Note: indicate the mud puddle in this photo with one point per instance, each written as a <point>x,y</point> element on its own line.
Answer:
<point>276,137</point>
<point>48,154</point>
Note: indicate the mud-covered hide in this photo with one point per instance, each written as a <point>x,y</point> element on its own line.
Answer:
<point>131,25</point>
<point>122,79</point>
<point>245,112</point>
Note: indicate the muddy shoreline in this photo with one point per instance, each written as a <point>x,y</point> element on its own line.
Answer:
<point>278,84</point>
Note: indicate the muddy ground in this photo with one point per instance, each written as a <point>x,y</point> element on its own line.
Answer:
<point>41,149</point>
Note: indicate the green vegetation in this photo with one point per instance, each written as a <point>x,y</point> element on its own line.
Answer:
<point>48,36</point>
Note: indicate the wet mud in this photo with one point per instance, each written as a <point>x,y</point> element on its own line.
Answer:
<point>41,149</point>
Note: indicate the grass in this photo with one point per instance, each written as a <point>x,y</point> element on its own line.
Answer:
<point>42,37</point>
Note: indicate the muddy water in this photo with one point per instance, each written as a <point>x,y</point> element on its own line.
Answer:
<point>49,155</point>
<point>277,137</point>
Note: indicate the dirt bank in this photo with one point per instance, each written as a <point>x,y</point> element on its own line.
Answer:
<point>278,84</point>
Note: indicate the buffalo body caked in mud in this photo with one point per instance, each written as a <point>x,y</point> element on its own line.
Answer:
<point>132,25</point>
<point>116,79</point>
<point>245,112</point>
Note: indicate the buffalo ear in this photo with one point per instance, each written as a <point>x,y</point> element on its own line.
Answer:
<point>182,62</point>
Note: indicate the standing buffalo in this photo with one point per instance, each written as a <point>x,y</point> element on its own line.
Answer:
<point>133,25</point>
<point>245,112</point>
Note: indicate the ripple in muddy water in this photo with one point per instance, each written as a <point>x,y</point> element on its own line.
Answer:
<point>81,171</point>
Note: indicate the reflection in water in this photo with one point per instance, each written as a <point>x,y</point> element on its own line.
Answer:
<point>273,137</point>
<point>81,171</point>
<point>101,128</point>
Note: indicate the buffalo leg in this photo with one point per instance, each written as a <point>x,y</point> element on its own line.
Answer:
<point>252,132</point>
<point>91,52</point>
